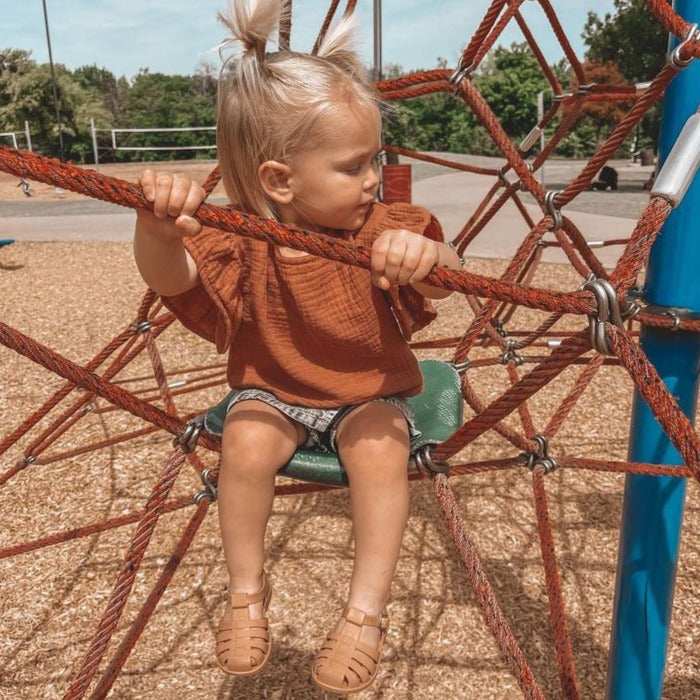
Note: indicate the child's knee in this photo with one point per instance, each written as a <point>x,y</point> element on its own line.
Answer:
<point>257,448</point>
<point>375,444</point>
<point>374,426</point>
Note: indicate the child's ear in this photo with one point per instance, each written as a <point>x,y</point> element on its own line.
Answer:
<point>274,179</point>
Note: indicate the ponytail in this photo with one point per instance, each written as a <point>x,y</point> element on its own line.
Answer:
<point>339,47</point>
<point>252,24</point>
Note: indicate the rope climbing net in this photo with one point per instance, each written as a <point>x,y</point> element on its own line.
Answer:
<point>605,308</point>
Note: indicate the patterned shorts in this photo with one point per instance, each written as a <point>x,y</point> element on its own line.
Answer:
<point>321,423</point>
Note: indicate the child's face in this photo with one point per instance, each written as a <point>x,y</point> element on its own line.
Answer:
<point>334,183</point>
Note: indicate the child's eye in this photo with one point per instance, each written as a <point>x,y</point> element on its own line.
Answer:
<point>353,169</point>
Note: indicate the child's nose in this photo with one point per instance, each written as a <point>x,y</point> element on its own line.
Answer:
<point>372,179</point>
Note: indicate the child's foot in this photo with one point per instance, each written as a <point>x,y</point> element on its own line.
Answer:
<point>349,658</point>
<point>243,640</point>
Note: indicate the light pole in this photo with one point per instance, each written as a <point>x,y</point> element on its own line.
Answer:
<point>377,39</point>
<point>53,82</point>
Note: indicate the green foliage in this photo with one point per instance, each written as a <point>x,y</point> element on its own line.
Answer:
<point>155,100</point>
<point>437,122</point>
<point>26,93</point>
<point>90,92</point>
<point>510,81</point>
<point>631,38</point>
<point>634,40</point>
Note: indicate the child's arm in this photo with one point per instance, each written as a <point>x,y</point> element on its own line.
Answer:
<point>161,258</point>
<point>403,257</point>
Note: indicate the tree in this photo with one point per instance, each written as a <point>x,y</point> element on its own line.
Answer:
<point>102,83</point>
<point>600,116</point>
<point>632,38</point>
<point>26,93</point>
<point>510,80</point>
<point>156,100</point>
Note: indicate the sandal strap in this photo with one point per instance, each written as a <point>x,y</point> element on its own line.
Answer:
<point>343,644</point>
<point>233,625</point>
<point>361,618</point>
<point>243,600</point>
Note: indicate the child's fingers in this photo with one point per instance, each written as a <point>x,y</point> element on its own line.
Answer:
<point>179,190</point>
<point>380,248</point>
<point>393,260</point>
<point>411,260</point>
<point>381,282</point>
<point>147,180</point>
<point>427,262</point>
<point>163,185</point>
<point>195,196</point>
<point>187,226</point>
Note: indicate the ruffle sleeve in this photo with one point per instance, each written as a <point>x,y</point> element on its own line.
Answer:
<point>213,308</point>
<point>412,310</point>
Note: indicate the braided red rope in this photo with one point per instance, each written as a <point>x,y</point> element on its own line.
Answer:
<point>483,592</point>
<point>129,194</point>
<point>126,577</point>
<point>562,640</point>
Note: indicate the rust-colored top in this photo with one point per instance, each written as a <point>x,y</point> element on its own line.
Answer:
<point>313,331</point>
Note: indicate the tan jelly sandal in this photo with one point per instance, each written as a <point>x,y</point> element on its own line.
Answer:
<point>347,665</point>
<point>243,644</point>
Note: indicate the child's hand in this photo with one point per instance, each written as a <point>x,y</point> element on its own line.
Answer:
<point>175,198</point>
<point>402,257</point>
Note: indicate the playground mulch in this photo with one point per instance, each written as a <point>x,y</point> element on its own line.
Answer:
<point>74,297</point>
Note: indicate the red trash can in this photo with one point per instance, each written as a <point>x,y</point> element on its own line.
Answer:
<point>396,183</point>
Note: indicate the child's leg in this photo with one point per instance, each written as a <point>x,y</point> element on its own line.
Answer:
<point>373,445</point>
<point>257,441</point>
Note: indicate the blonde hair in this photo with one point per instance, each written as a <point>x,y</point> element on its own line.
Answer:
<point>268,102</point>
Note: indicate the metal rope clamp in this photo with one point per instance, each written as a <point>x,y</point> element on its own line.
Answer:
<point>608,312</point>
<point>510,354</point>
<point>552,210</point>
<point>674,58</point>
<point>461,72</point>
<point>426,465</point>
<point>499,328</point>
<point>209,490</point>
<point>461,367</point>
<point>187,439</point>
<point>541,457</point>
<point>142,326</point>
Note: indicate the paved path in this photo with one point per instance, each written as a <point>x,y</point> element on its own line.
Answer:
<point>452,196</point>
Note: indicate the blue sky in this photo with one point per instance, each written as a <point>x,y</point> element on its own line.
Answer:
<point>174,36</point>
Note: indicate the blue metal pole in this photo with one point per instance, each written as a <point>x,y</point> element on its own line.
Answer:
<point>653,506</point>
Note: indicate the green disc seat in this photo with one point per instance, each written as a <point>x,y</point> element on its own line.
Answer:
<point>437,411</point>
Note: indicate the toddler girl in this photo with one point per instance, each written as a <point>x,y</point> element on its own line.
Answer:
<point>317,350</point>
